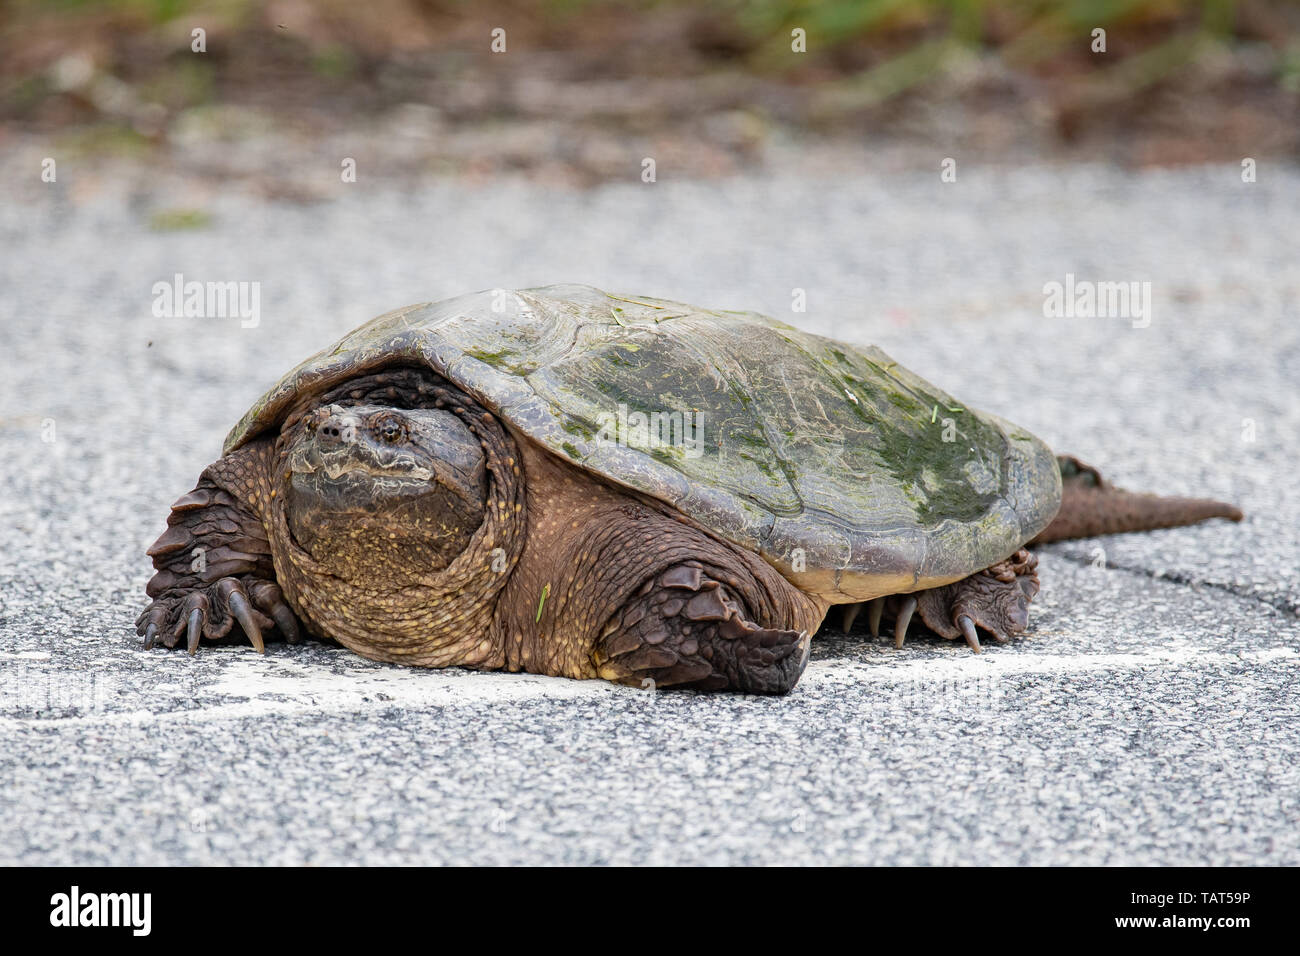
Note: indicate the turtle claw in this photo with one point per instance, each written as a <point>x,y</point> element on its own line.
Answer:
<point>995,600</point>
<point>903,619</point>
<point>996,634</point>
<point>195,631</point>
<point>287,623</point>
<point>230,593</point>
<point>243,613</point>
<point>874,610</point>
<point>211,611</point>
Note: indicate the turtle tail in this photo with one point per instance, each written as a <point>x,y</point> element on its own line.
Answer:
<point>1091,506</point>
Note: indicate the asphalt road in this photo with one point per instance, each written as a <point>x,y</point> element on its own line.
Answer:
<point>1149,717</point>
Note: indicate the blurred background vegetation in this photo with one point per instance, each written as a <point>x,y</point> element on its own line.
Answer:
<point>711,84</point>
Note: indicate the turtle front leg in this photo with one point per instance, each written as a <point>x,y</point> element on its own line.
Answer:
<point>995,600</point>
<point>686,629</point>
<point>214,576</point>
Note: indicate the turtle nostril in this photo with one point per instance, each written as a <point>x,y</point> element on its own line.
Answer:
<point>334,432</point>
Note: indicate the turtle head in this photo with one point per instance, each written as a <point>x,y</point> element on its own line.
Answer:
<point>372,486</point>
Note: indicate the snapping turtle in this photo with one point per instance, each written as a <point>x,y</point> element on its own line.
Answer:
<point>573,483</point>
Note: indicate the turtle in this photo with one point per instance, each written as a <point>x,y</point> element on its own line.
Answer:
<point>573,483</point>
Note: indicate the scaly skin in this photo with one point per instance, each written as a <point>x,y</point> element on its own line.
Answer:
<point>214,567</point>
<point>598,552</point>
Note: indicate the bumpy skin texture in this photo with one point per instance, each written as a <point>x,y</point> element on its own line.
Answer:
<point>600,556</point>
<point>415,611</point>
<point>214,567</point>
<point>686,628</point>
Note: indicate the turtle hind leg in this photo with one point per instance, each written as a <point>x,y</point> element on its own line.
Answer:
<point>685,629</point>
<point>1090,506</point>
<point>996,600</point>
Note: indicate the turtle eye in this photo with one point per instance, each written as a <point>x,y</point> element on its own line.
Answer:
<point>391,430</point>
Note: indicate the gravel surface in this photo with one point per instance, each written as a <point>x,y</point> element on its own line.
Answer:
<point>1148,718</point>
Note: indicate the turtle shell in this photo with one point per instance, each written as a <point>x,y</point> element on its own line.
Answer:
<point>851,475</point>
